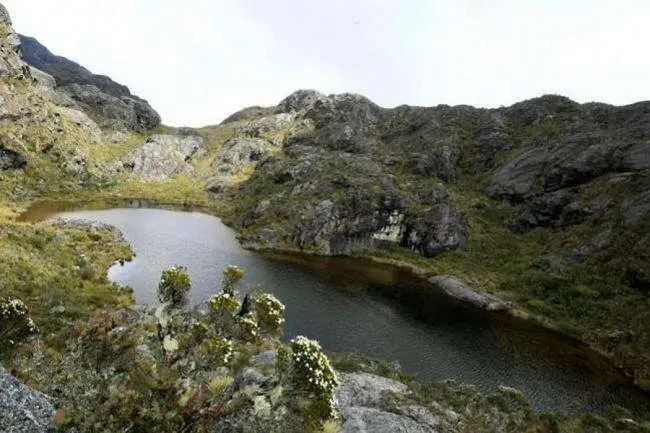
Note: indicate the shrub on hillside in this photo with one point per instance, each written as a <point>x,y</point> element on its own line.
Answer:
<point>174,286</point>
<point>15,324</point>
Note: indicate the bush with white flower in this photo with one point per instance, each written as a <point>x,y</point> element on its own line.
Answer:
<point>15,324</point>
<point>223,303</point>
<point>174,286</point>
<point>232,275</point>
<point>313,377</point>
<point>220,350</point>
<point>270,313</point>
<point>248,327</point>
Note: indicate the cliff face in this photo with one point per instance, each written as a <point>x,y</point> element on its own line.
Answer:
<point>360,176</point>
<point>110,104</point>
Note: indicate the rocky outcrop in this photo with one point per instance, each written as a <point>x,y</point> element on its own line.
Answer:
<point>124,112</point>
<point>80,119</point>
<point>464,293</point>
<point>370,403</point>
<point>359,177</point>
<point>22,409</point>
<point>110,104</point>
<point>25,115</point>
<point>11,160</point>
<point>163,156</point>
<point>331,165</point>
<point>238,153</point>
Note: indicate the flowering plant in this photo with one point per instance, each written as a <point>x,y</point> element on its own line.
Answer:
<point>15,323</point>
<point>223,302</point>
<point>248,327</point>
<point>314,377</point>
<point>270,312</point>
<point>174,286</point>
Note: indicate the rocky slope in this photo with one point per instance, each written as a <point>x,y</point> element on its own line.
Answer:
<point>110,104</point>
<point>32,132</point>
<point>361,175</point>
<point>545,203</point>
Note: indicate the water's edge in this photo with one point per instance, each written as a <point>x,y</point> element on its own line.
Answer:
<point>412,298</point>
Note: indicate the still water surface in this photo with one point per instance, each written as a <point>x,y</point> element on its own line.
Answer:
<point>379,310</point>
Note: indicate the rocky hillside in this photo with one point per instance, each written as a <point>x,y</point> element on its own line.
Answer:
<point>545,203</point>
<point>36,140</point>
<point>110,104</point>
<point>541,208</point>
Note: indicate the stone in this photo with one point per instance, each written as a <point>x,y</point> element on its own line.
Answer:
<point>365,420</point>
<point>11,160</point>
<point>43,79</point>
<point>80,119</point>
<point>637,156</point>
<point>553,209</point>
<point>625,424</point>
<point>440,228</point>
<point>251,376</point>
<point>163,156</point>
<point>594,244</point>
<point>238,153</point>
<point>637,207</point>
<point>267,127</point>
<point>463,292</point>
<point>23,409</point>
<point>109,111</point>
<point>365,389</point>
<point>268,358</point>
<point>110,104</point>
<point>300,100</point>
<point>362,398</point>
<point>118,137</point>
<point>515,179</point>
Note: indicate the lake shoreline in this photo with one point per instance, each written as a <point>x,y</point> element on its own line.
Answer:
<point>512,316</point>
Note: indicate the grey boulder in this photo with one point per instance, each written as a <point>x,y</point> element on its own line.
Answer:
<point>163,156</point>
<point>23,409</point>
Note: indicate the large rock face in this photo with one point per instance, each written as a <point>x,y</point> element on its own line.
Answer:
<point>546,201</point>
<point>335,190</point>
<point>368,404</point>
<point>163,156</point>
<point>354,176</point>
<point>22,409</point>
<point>110,104</point>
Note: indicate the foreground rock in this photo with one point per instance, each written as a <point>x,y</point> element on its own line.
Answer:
<point>22,409</point>
<point>370,403</point>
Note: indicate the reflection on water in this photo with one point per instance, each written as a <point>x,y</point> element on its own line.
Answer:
<point>381,311</point>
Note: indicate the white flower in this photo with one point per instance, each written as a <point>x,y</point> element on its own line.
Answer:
<point>170,344</point>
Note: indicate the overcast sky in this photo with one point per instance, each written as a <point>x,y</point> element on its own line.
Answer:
<point>197,61</point>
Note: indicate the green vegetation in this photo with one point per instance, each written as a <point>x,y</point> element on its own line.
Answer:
<point>174,286</point>
<point>59,270</point>
<point>194,374</point>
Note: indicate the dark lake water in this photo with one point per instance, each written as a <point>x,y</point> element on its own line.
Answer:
<point>379,310</point>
